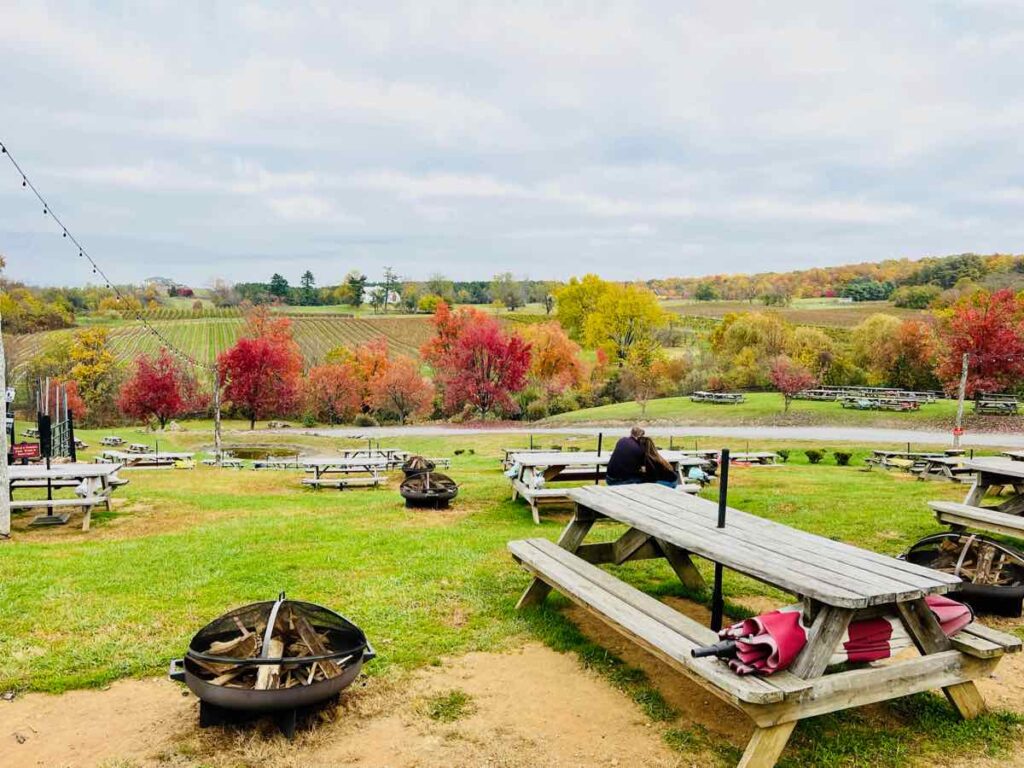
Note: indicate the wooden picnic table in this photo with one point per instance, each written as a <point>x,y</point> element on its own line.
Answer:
<point>343,471</point>
<point>392,457</point>
<point>837,583</point>
<point>942,468</point>
<point>93,482</point>
<point>994,476</point>
<point>139,460</point>
<point>721,398</point>
<point>534,473</point>
<point>764,458</point>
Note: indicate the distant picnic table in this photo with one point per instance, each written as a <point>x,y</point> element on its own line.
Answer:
<point>721,398</point>
<point>996,404</point>
<point>343,472</point>
<point>837,583</point>
<point>92,482</point>
<point>863,403</point>
<point>535,472</point>
<point>147,459</point>
<point>998,480</point>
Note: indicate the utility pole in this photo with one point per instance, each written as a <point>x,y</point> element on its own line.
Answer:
<point>959,428</point>
<point>216,415</point>
<point>5,490</point>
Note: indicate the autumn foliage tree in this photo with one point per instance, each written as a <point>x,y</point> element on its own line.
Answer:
<point>402,391</point>
<point>475,362</point>
<point>555,363</point>
<point>332,393</point>
<point>159,387</point>
<point>989,328</point>
<point>790,378</point>
<point>261,374</point>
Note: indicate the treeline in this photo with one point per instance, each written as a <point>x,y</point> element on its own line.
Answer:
<point>915,283</point>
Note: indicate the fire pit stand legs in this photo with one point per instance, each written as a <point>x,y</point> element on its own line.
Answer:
<point>211,715</point>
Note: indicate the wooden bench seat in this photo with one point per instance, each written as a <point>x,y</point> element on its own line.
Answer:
<point>86,501</point>
<point>55,483</point>
<point>657,627</point>
<point>984,642</point>
<point>966,516</point>
<point>341,482</point>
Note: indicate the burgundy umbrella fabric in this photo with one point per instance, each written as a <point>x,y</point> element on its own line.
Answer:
<point>771,642</point>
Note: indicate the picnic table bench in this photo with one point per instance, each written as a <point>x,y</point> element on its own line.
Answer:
<point>506,460</point>
<point>225,461</point>
<point>996,404</point>
<point>861,403</point>
<point>942,468</point>
<point>992,475</point>
<point>92,482</point>
<point>763,458</point>
<point>837,583</point>
<point>722,398</point>
<point>146,460</point>
<point>343,472</point>
<point>112,441</point>
<point>534,472</point>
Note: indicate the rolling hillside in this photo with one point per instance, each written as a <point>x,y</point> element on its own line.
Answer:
<point>206,337</point>
<point>818,312</point>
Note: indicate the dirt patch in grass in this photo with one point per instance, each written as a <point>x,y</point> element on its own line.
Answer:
<point>532,708</point>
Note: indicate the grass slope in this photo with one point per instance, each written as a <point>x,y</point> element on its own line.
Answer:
<point>822,312</point>
<point>767,408</point>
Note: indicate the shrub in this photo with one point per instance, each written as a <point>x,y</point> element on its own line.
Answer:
<point>783,454</point>
<point>814,456</point>
<point>563,403</point>
<point>536,410</point>
<point>365,420</point>
<point>843,458</point>
<point>308,420</point>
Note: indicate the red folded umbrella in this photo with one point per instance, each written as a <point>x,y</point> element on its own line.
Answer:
<point>770,642</point>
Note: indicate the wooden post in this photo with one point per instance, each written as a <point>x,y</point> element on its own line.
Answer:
<point>5,489</point>
<point>959,428</point>
<point>217,452</point>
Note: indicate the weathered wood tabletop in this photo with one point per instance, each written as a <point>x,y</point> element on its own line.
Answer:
<point>803,564</point>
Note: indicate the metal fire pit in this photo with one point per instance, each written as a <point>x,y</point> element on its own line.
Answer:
<point>417,465</point>
<point>993,572</point>
<point>220,703</point>
<point>428,490</point>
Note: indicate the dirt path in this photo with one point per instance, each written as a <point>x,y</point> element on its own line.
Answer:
<point>532,708</point>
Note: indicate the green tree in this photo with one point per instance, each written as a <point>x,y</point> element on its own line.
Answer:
<point>623,317</point>
<point>509,291</point>
<point>307,285</point>
<point>705,292</point>
<point>279,286</point>
<point>576,301</point>
<point>355,282</point>
<point>439,285</point>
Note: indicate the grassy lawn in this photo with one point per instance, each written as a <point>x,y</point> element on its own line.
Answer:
<point>82,609</point>
<point>767,408</point>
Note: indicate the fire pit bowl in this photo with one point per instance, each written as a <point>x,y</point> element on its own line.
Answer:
<point>993,572</point>
<point>428,490</point>
<point>417,465</point>
<point>277,656</point>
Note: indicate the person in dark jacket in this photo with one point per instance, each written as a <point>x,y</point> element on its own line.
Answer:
<point>626,465</point>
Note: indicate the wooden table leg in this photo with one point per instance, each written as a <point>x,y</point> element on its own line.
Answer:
<point>977,492</point>
<point>765,746</point>
<point>681,563</point>
<point>570,540</point>
<point>928,636</point>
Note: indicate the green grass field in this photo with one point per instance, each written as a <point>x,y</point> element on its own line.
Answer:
<point>767,408</point>
<point>180,547</point>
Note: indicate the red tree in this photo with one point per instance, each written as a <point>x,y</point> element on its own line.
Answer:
<point>261,376</point>
<point>482,367</point>
<point>332,392</point>
<point>988,328</point>
<point>448,327</point>
<point>401,390</point>
<point>159,387</point>
<point>790,378</point>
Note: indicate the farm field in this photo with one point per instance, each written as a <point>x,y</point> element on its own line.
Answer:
<point>820,312</point>
<point>206,337</point>
<point>182,546</point>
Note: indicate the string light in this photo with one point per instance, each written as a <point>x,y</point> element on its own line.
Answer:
<point>97,270</point>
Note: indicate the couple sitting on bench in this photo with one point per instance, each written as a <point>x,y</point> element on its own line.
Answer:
<point>636,460</point>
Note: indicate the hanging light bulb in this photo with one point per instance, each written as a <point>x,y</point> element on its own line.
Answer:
<point>65,233</point>
<point>24,181</point>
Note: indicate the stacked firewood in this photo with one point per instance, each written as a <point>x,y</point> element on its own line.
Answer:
<point>293,639</point>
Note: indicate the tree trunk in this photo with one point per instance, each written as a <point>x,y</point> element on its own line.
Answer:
<point>252,423</point>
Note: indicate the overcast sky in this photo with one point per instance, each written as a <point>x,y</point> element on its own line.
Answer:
<point>633,140</point>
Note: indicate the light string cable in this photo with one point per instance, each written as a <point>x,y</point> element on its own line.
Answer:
<point>26,183</point>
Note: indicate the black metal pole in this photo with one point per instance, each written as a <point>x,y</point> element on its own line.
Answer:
<point>600,439</point>
<point>717,598</point>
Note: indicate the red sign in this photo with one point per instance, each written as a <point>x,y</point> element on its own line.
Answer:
<point>958,431</point>
<point>25,451</point>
